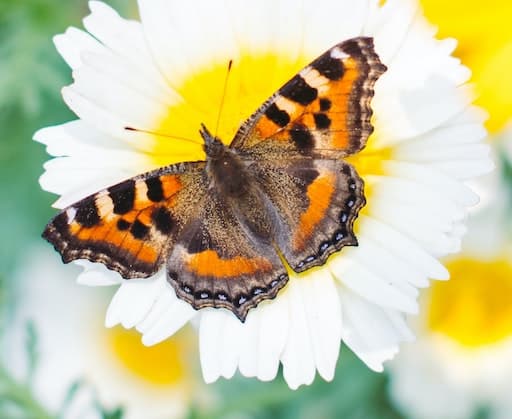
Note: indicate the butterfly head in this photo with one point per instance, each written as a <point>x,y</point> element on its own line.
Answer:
<point>213,147</point>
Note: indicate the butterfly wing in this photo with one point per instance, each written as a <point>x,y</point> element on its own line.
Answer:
<point>130,226</point>
<point>225,257</point>
<point>296,141</point>
<point>323,110</point>
<point>315,202</point>
<point>216,256</point>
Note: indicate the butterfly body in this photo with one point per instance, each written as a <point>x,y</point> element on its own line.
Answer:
<point>279,195</point>
<point>225,170</point>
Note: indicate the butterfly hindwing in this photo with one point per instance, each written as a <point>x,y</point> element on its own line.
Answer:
<point>130,226</point>
<point>226,259</point>
<point>316,202</point>
<point>323,110</point>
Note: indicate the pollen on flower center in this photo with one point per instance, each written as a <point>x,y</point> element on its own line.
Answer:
<point>160,365</point>
<point>473,308</point>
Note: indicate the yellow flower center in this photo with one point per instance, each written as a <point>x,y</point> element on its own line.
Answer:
<point>475,307</point>
<point>164,364</point>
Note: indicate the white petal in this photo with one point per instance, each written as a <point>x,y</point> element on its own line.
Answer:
<point>400,325</point>
<point>116,98</point>
<point>424,229</point>
<point>122,36</point>
<point>95,161</point>
<point>389,26</point>
<point>386,266</point>
<point>95,274</point>
<point>356,276</point>
<point>133,300</point>
<point>273,334</point>
<point>163,302</point>
<point>402,191</point>
<point>435,181</point>
<point>391,266</point>
<point>167,23</point>
<point>401,246</point>
<point>93,114</point>
<point>219,344</point>
<point>72,43</point>
<point>249,344</point>
<point>402,114</point>
<point>145,80</point>
<point>177,315</point>
<point>465,170</point>
<point>263,338</point>
<point>368,331</point>
<point>298,357</point>
<point>427,154</point>
<point>323,314</point>
<point>444,136</point>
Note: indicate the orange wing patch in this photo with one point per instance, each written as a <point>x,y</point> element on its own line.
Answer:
<point>319,193</point>
<point>208,263</point>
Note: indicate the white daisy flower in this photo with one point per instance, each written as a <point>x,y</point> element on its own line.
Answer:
<point>461,363</point>
<point>166,74</point>
<point>73,347</point>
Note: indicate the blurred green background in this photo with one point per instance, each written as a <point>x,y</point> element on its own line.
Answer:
<point>31,76</point>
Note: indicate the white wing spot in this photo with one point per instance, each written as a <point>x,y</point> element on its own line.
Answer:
<point>339,54</point>
<point>71,213</point>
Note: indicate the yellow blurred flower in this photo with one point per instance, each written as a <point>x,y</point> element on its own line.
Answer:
<point>474,307</point>
<point>484,33</point>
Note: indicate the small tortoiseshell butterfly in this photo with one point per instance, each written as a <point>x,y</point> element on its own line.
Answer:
<point>280,191</point>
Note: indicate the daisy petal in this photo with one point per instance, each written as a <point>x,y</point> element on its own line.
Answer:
<point>173,319</point>
<point>298,355</point>
<point>219,344</point>
<point>95,274</point>
<point>323,312</point>
<point>139,295</point>
<point>72,43</point>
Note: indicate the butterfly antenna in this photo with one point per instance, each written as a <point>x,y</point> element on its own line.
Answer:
<point>223,97</point>
<point>158,134</point>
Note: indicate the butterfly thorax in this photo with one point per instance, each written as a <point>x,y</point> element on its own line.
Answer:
<point>226,170</point>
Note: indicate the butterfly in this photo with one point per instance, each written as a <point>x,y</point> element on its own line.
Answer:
<point>280,194</point>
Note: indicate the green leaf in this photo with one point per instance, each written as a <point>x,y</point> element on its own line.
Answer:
<point>117,413</point>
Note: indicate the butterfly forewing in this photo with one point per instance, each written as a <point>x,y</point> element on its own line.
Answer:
<point>323,110</point>
<point>130,226</point>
